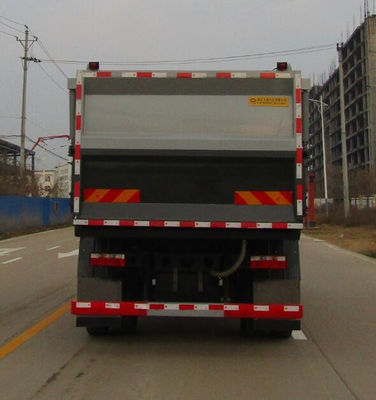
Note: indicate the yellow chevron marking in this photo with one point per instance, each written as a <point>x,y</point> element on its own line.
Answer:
<point>97,195</point>
<point>249,198</point>
<point>278,198</point>
<point>124,196</point>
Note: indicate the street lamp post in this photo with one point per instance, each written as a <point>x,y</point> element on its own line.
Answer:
<point>320,104</point>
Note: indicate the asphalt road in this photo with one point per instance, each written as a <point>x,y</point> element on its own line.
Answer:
<point>185,358</point>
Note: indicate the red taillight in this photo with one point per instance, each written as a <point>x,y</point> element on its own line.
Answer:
<point>107,260</point>
<point>268,262</point>
<point>282,66</point>
<point>93,65</point>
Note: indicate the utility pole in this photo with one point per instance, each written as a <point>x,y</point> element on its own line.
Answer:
<point>324,156</point>
<point>320,106</point>
<point>26,44</point>
<point>345,177</point>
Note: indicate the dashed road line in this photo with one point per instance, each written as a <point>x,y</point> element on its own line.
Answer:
<point>53,248</point>
<point>298,335</point>
<point>69,254</point>
<point>6,251</point>
<point>12,260</point>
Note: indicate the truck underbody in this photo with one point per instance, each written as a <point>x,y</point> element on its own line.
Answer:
<point>254,278</point>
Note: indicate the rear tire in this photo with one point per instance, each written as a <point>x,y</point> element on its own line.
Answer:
<point>97,331</point>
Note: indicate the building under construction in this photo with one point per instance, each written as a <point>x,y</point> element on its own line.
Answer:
<point>359,68</point>
<point>10,155</point>
<point>10,183</point>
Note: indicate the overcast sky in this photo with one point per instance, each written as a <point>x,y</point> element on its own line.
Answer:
<point>139,30</point>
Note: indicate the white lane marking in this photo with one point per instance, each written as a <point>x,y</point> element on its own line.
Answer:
<point>318,240</point>
<point>5,251</point>
<point>298,335</point>
<point>70,254</point>
<point>12,260</point>
<point>52,248</point>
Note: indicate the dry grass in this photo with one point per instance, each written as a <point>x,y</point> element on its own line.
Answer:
<point>360,239</point>
<point>364,217</point>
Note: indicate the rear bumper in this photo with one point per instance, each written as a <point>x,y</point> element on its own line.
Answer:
<point>187,224</point>
<point>218,310</point>
<point>185,229</point>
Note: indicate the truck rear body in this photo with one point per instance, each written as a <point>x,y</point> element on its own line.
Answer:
<point>188,195</point>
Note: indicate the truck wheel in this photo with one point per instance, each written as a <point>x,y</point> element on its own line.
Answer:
<point>129,325</point>
<point>97,331</point>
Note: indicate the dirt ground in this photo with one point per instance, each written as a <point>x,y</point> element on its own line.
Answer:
<point>360,239</point>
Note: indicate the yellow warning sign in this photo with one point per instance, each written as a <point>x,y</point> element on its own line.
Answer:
<point>268,101</point>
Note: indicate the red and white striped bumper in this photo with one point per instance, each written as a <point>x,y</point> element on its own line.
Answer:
<point>219,310</point>
<point>186,224</point>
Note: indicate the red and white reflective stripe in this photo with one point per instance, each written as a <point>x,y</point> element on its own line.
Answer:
<point>104,74</point>
<point>77,143</point>
<point>299,144</point>
<point>299,163</point>
<point>268,262</point>
<point>159,74</point>
<point>231,75</point>
<point>179,75</point>
<point>144,74</point>
<point>261,311</point>
<point>76,196</point>
<point>107,260</point>
<point>187,74</point>
<point>192,75</point>
<point>275,75</point>
<point>96,74</point>
<point>299,198</point>
<point>299,127</point>
<point>187,224</point>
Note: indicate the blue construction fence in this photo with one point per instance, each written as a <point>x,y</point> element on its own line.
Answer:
<point>18,213</point>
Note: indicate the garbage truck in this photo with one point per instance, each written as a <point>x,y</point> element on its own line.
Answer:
<point>187,196</point>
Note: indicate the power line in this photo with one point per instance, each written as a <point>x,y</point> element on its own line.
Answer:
<point>9,136</point>
<point>9,34</point>
<point>302,50</point>
<point>43,128</point>
<point>48,151</point>
<point>11,20</point>
<point>45,51</point>
<point>39,145</point>
<point>11,27</point>
<point>52,79</point>
<point>60,147</point>
<point>37,125</point>
<point>10,117</point>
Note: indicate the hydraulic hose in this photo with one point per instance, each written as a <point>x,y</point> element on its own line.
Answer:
<point>235,266</point>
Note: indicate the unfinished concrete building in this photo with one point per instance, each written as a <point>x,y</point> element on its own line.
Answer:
<point>359,67</point>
